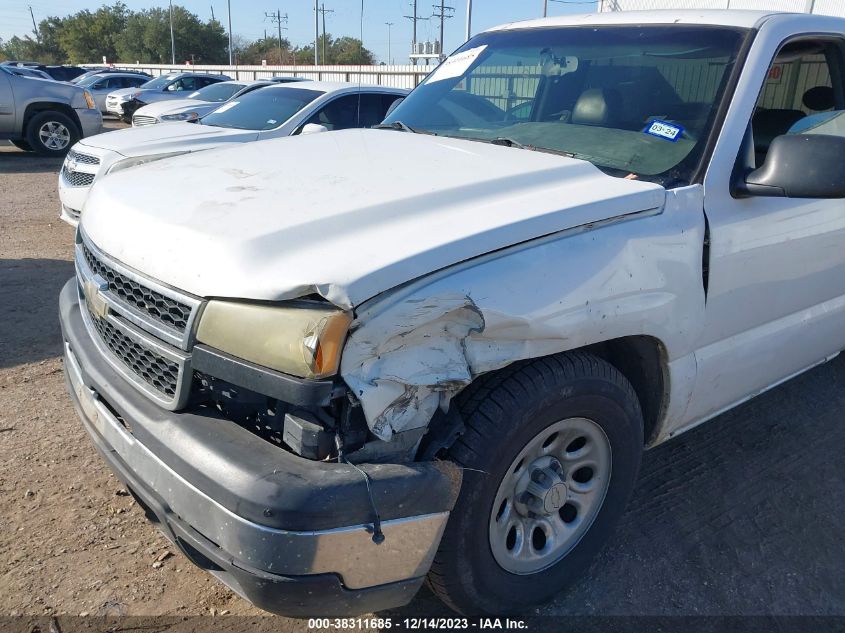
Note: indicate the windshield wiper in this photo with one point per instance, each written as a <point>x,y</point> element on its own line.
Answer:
<point>509,142</point>
<point>402,127</point>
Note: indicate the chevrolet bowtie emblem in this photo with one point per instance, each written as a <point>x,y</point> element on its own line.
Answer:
<point>72,165</point>
<point>93,290</point>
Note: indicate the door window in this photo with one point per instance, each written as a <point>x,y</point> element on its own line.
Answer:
<point>340,114</point>
<point>803,94</point>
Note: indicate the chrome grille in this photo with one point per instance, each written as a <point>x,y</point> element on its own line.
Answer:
<point>143,328</point>
<point>170,312</point>
<point>141,119</point>
<point>73,155</point>
<point>77,178</point>
<point>157,371</point>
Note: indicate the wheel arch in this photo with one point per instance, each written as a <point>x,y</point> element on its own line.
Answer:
<point>37,107</point>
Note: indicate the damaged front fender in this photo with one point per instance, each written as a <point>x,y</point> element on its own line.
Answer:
<point>413,349</point>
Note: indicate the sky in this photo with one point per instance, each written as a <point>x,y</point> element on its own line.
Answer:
<point>249,21</point>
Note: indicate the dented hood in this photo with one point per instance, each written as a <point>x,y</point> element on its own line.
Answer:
<point>346,214</point>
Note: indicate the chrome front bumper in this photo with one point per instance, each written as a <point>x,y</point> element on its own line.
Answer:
<point>276,568</point>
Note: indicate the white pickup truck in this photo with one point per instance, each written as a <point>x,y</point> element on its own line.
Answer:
<point>334,366</point>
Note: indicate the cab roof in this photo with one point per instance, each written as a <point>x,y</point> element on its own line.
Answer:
<point>736,18</point>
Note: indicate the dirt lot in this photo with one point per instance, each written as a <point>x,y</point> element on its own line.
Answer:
<point>741,516</point>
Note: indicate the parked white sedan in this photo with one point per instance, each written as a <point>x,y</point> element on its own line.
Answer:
<point>269,112</point>
<point>195,105</point>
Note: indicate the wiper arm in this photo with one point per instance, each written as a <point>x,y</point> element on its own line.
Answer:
<point>509,142</point>
<point>402,127</point>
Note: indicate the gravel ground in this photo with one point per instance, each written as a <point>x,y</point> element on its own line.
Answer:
<point>741,516</point>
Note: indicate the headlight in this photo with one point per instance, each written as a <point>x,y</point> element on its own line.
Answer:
<point>182,116</point>
<point>140,160</point>
<point>297,340</point>
<point>89,99</point>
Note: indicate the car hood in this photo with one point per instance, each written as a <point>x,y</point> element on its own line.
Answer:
<point>124,91</point>
<point>174,105</point>
<point>346,214</point>
<point>163,139</point>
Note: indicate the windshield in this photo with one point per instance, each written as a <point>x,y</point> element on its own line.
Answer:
<point>636,101</point>
<point>216,92</point>
<point>158,82</point>
<point>87,81</point>
<point>262,109</point>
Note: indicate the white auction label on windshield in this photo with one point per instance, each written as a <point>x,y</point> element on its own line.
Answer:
<point>456,65</point>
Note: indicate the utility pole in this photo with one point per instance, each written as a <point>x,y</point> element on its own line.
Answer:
<point>389,57</point>
<point>34,28</point>
<point>229,16</point>
<point>443,13</point>
<point>172,41</point>
<point>545,8</point>
<point>809,6</point>
<point>414,19</point>
<point>278,18</point>
<point>468,33</point>
<point>212,13</point>
<point>316,31</point>
<point>324,10</point>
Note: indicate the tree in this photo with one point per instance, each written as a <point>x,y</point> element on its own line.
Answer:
<point>344,50</point>
<point>146,38</point>
<point>87,37</point>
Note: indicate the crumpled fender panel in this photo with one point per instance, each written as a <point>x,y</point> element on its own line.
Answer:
<point>412,349</point>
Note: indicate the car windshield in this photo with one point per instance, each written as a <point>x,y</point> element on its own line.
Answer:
<point>216,92</point>
<point>87,81</point>
<point>262,109</point>
<point>158,82</point>
<point>636,101</point>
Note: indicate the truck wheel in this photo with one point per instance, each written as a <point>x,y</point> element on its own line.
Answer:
<point>22,145</point>
<point>51,133</point>
<point>551,451</point>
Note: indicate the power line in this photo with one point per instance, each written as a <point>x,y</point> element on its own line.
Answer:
<point>414,19</point>
<point>324,10</point>
<point>278,18</point>
<point>444,14</point>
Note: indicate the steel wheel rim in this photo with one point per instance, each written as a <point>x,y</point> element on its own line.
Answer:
<point>550,496</point>
<point>54,135</point>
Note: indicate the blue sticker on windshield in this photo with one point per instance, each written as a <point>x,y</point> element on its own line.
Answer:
<point>663,129</point>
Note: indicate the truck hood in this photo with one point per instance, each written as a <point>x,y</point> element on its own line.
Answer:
<point>347,214</point>
<point>166,138</point>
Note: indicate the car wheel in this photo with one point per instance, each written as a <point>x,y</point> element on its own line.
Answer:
<point>51,133</point>
<point>22,145</point>
<point>550,452</point>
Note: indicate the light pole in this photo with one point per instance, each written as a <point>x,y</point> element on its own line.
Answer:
<point>229,15</point>
<point>545,8</point>
<point>172,41</point>
<point>389,57</point>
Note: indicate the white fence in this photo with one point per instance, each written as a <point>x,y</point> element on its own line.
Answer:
<point>394,76</point>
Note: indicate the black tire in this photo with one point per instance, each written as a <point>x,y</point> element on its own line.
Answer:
<point>503,413</point>
<point>61,121</point>
<point>22,145</point>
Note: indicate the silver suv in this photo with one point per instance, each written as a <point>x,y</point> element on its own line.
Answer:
<point>44,116</point>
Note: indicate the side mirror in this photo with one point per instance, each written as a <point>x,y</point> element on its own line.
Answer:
<point>799,166</point>
<point>313,128</point>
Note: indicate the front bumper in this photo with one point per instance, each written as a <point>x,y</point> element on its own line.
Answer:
<point>291,535</point>
<point>72,199</point>
<point>91,121</point>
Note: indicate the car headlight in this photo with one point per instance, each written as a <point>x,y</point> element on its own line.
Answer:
<point>89,99</point>
<point>297,340</point>
<point>140,160</point>
<point>182,116</point>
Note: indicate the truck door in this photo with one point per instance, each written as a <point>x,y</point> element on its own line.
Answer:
<point>776,281</point>
<point>7,105</point>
